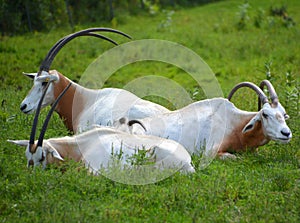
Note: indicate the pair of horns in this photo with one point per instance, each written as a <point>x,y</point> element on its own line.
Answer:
<point>46,63</point>
<point>262,98</point>
<point>32,149</point>
<point>131,122</point>
<point>272,92</point>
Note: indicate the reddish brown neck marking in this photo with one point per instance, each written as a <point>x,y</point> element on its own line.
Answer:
<point>66,149</point>
<point>65,105</point>
<point>253,138</point>
<point>238,141</point>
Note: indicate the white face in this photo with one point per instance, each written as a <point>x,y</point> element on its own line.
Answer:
<point>30,103</point>
<point>37,158</point>
<point>273,123</point>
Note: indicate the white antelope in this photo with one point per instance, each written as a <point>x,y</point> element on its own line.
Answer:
<point>218,126</point>
<point>99,146</point>
<point>81,107</point>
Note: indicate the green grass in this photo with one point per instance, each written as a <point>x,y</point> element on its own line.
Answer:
<point>258,187</point>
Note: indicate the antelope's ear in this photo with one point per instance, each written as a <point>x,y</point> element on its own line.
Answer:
<point>30,75</point>
<point>47,78</point>
<point>55,153</point>
<point>23,143</point>
<point>250,125</point>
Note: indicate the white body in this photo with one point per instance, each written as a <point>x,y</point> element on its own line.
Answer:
<point>216,126</point>
<point>81,108</point>
<point>96,146</point>
<point>104,106</point>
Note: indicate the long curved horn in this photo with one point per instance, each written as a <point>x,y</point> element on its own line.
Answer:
<point>35,121</point>
<point>83,34</point>
<point>272,92</point>
<point>45,66</point>
<point>131,122</point>
<point>44,128</point>
<point>263,98</point>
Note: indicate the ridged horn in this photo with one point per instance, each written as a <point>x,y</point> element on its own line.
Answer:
<point>131,122</point>
<point>35,121</point>
<point>263,98</point>
<point>45,124</point>
<point>45,65</point>
<point>272,92</point>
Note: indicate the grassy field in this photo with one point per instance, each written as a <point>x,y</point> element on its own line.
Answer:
<point>258,187</point>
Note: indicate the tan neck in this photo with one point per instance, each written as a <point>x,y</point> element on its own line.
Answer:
<point>254,137</point>
<point>238,141</point>
<point>66,147</point>
<point>65,105</point>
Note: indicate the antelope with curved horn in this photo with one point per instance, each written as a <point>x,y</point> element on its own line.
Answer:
<point>218,126</point>
<point>97,147</point>
<point>89,106</point>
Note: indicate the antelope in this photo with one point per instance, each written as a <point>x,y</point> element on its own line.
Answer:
<point>219,127</point>
<point>97,147</point>
<point>82,107</point>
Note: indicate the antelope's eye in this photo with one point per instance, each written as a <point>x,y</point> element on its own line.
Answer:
<point>286,116</point>
<point>265,115</point>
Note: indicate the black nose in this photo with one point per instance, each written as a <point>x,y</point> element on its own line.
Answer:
<point>286,132</point>
<point>30,163</point>
<point>23,107</point>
